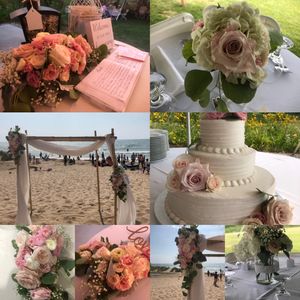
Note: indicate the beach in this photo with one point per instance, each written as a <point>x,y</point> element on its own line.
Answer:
<point>68,194</point>
<point>167,286</point>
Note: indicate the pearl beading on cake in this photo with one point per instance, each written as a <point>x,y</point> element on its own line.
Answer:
<point>232,183</point>
<point>219,150</point>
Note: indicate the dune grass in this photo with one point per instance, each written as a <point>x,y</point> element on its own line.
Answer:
<point>232,237</point>
<point>286,12</point>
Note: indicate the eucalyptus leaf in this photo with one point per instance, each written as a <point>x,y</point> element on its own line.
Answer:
<point>187,51</point>
<point>221,106</point>
<point>276,39</point>
<point>196,81</point>
<point>238,93</point>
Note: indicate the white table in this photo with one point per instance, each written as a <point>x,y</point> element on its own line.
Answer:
<point>244,286</point>
<point>285,169</point>
<point>279,91</point>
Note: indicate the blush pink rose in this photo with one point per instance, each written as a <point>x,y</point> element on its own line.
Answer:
<point>33,79</point>
<point>194,177</point>
<point>126,281</point>
<point>214,115</point>
<point>126,260</point>
<point>113,281</point>
<point>214,183</point>
<point>278,212</point>
<point>46,231</point>
<point>21,257</point>
<point>51,73</point>
<point>103,252</point>
<point>181,162</point>
<point>141,267</point>
<point>42,255</point>
<point>45,268</point>
<point>41,294</point>
<point>233,52</point>
<point>259,215</point>
<point>28,279</point>
<point>60,55</point>
<point>173,181</point>
<point>36,240</point>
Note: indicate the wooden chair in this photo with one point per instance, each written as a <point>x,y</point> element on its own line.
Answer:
<point>50,18</point>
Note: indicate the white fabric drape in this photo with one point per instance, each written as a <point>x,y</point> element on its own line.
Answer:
<point>197,291</point>
<point>126,211</point>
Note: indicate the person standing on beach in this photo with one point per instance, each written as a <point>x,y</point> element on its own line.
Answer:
<point>65,160</point>
<point>216,279</point>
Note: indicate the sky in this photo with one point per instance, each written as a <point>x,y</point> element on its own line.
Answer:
<point>163,247</point>
<point>127,126</point>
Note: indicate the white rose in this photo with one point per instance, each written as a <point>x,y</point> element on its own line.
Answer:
<point>21,238</point>
<point>31,263</point>
<point>51,244</point>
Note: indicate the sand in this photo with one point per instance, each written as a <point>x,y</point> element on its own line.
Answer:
<point>68,194</point>
<point>168,287</point>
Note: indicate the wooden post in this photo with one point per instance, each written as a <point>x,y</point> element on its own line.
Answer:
<point>28,166</point>
<point>98,183</point>
<point>115,162</point>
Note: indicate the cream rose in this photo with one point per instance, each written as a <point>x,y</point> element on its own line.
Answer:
<point>173,181</point>
<point>21,238</point>
<point>42,255</point>
<point>60,55</point>
<point>278,212</point>
<point>103,252</point>
<point>233,52</point>
<point>28,279</point>
<point>194,177</point>
<point>252,221</point>
<point>181,162</point>
<point>214,183</point>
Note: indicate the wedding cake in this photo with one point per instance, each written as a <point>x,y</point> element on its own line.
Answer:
<point>217,181</point>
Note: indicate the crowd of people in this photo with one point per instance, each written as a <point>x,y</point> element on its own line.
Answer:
<point>217,276</point>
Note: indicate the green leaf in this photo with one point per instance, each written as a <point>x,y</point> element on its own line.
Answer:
<point>187,51</point>
<point>20,107</point>
<point>67,264</point>
<point>65,295</point>
<point>14,244</point>
<point>221,106</point>
<point>276,39</point>
<point>204,98</point>
<point>13,277</point>
<point>196,81</point>
<point>49,278</point>
<point>238,93</point>
<point>77,256</point>
<point>74,95</point>
<point>286,253</point>
<point>25,228</point>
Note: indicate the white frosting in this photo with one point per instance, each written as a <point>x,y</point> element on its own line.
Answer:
<point>229,205</point>
<point>222,133</point>
<point>238,167</point>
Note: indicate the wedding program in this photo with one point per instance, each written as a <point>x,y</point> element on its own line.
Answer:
<point>149,150</point>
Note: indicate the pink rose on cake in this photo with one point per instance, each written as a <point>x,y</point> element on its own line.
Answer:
<point>213,183</point>
<point>173,181</point>
<point>181,162</point>
<point>40,294</point>
<point>224,116</point>
<point>194,177</point>
<point>278,212</point>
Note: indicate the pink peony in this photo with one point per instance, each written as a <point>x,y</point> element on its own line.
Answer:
<point>232,51</point>
<point>141,267</point>
<point>33,79</point>
<point>28,279</point>
<point>41,294</point>
<point>194,177</point>
<point>51,73</point>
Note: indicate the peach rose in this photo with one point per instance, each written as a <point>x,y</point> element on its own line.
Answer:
<point>103,252</point>
<point>118,268</point>
<point>214,183</point>
<point>42,255</point>
<point>181,162</point>
<point>84,44</point>
<point>23,51</point>
<point>131,250</point>
<point>278,212</point>
<point>141,267</point>
<point>64,74</point>
<point>28,279</point>
<point>37,60</point>
<point>85,254</point>
<point>194,177</point>
<point>113,281</point>
<point>126,281</point>
<point>126,260</point>
<point>173,181</point>
<point>51,73</point>
<point>21,65</point>
<point>232,51</point>
<point>60,55</point>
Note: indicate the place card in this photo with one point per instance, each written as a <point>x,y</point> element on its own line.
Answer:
<point>100,32</point>
<point>34,20</point>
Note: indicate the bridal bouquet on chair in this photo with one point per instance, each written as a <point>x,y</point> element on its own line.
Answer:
<point>44,71</point>
<point>111,269</point>
<point>190,246</point>
<point>39,261</point>
<point>233,42</point>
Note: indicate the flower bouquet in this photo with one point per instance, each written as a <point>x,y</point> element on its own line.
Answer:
<point>44,71</point>
<point>190,246</point>
<point>39,260</point>
<point>110,269</point>
<point>263,243</point>
<point>16,144</point>
<point>234,42</point>
<point>118,183</point>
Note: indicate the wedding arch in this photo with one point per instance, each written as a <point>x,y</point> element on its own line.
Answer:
<point>124,209</point>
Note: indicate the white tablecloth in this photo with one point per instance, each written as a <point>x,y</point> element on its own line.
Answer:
<point>279,91</point>
<point>8,266</point>
<point>285,169</point>
<point>245,286</point>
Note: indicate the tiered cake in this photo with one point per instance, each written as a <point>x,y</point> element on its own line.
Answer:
<point>222,147</point>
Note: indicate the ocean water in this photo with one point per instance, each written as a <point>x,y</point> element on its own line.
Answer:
<point>126,147</point>
<point>211,266</point>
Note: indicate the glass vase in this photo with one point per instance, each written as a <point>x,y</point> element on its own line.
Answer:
<point>265,273</point>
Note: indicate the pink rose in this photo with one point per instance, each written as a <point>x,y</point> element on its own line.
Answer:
<point>45,268</point>
<point>42,255</point>
<point>51,73</point>
<point>103,252</point>
<point>141,267</point>
<point>46,231</point>
<point>78,57</point>
<point>278,212</point>
<point>21,257</point>
<point>173,181</point>
<point>181,162</point>
<point>214,115</point>
<point>33,79</point>
<point>241,115</point>
<point>23,51</point>
<point>84,44</point>
<point>194,177</point>
<point>28,279</point>
<point>21,238</point>
<point>41,294</point>
<point>126,281</point>
<point>118,267</point>
<point>126,260</point>
<point>232,51</point>
<point>260,216</point>
<point>214,183</point>
<point>113,281</point>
